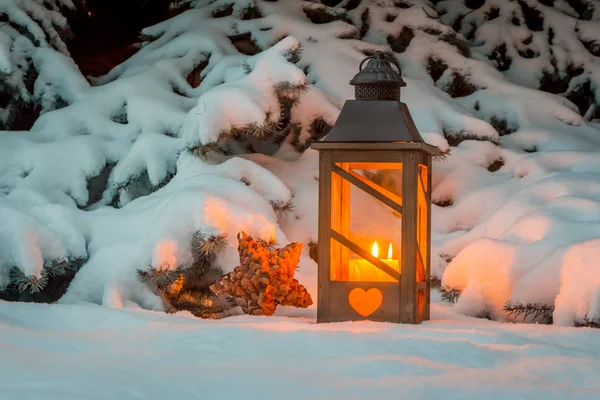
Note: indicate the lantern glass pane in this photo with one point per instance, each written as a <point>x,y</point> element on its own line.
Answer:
<point>366,200</point>
<point>422,223</point>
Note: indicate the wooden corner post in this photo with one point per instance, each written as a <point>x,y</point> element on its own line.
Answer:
<point>409,241</point>
<point>325,164</point>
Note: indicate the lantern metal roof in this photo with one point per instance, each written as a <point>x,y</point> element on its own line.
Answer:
<point>377,116</point>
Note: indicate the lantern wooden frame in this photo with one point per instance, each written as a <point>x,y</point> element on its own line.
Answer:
<point>408,299</point>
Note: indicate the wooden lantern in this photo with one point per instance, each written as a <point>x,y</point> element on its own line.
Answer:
<point>374,206</point>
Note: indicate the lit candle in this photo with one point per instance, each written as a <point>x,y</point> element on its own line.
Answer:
<point>360,270</point>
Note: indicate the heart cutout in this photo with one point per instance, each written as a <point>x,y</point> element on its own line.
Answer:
<point>365,302</point>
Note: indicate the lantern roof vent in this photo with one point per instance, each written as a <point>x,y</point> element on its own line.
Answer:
<point>378,80</point>
<point>377,115</point>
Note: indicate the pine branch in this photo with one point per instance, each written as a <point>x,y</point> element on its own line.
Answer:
<point>162,183</point>
<point>263,131</point>
<point>246,67</point>
<point>323,15</point>
<point>206,245</point>
<point>484,315</point>
<point>281,135</point>
<point>250,12</point>
<point>202,150</point>
<point>295,140</point>
<point>162,279</point>
<point>318,128</point>
<point>449,295</point>
<point>285,116</point>
<point>187,287</point>
<point>289,94</point>
<point>145,275</point>
<point>201,276</point>
<point>440,158</point>
<point>52,269</point>
<point>294,55</point>
<point>28,283</point>
<point>198,302</point>
<point>132,180</point>
<point>60,267</point>
<point>536,310</point>
<point>588,323</point>
<point>282,207</point>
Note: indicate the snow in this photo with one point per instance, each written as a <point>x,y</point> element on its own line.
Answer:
<point>524,232</point>
<point>579,295</point>
<point>88,351</point>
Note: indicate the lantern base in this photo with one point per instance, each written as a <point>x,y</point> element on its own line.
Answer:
<point>370,301</point>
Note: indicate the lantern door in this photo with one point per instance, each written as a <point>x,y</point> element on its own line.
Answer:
<point>363,230</point>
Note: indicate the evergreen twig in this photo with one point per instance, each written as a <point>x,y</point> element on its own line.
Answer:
<point>206,245</point>
<point>246,67</point>
<point>289,93</point>
<point>448,294</point>
<point>52,269</point>
<point>282,207</point>
<point>588,323</point>
<point>535,310</point>
<point>295,54</point>
<point>187,287</point>
<point>28,283</point>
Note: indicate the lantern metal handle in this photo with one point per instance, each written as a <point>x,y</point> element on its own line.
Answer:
<point>383,55</point>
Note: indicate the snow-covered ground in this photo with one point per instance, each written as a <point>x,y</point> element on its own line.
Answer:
<point>74,352</point>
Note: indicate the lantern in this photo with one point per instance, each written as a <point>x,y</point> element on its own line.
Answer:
<point>374,205</point>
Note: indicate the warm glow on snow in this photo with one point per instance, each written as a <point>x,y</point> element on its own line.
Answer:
<point>165,255</point>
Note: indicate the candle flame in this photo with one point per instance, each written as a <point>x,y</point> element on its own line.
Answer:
<point>390,251</point>
<point>375,250</point>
